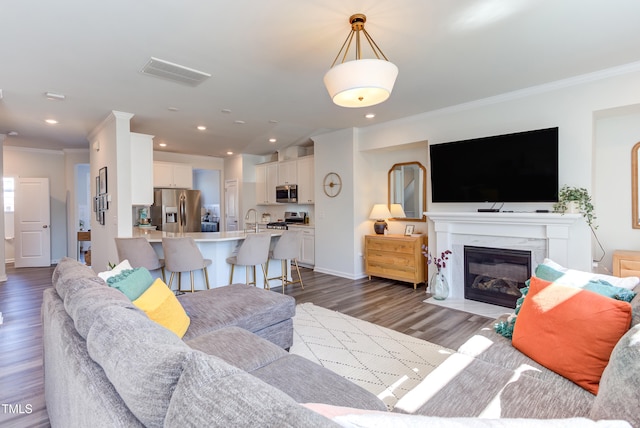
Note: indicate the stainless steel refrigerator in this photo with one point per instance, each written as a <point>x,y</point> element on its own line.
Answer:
<point>176,210</point>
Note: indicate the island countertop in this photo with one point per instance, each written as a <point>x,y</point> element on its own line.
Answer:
<point>157,235</point>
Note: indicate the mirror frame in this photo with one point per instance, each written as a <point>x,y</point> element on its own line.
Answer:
<point>424,190</point>
<point>635,222</point>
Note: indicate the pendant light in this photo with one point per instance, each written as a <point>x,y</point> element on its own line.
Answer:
<point>360,82</point>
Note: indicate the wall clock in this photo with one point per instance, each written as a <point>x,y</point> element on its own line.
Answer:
<point>332,184</point>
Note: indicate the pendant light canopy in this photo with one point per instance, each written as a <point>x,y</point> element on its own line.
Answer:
<point>360,82</point>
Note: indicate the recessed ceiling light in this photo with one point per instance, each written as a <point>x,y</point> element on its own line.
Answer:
<point>163,144</point>
<point>12,134</point>
<point>226,110</point>
<point>54,97</point>
<point>273,121</point>
<point>272,140</point>
<point>202,128</point>
<point>239,122</point>
<point>229,153</point>
<point>370,115</point>
<point>172,108</point>
<point>51,121</point>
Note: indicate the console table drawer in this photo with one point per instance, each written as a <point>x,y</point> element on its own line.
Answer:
<point>626,263</point>
<point>396,257</point>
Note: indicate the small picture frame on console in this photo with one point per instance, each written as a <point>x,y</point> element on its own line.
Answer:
<point>408,229</point>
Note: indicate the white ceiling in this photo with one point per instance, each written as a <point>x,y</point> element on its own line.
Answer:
<point>268,58</point>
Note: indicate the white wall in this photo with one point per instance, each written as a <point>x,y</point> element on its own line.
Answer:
<point>569,104</point>
<point>615,135</point>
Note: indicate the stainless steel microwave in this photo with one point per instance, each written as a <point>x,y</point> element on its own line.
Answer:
<point>287,194</point>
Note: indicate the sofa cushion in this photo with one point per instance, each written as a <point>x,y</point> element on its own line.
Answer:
<point>570,331</point>
<point>67,273</point>
<point>463,386</point>
<point>131,282</point>
<point>162,306</point>
<point>239,305</point>
<point>84,304</point>
<point>208,396</point>
<point>619,394</point>
<point>315,383</point>
<point>142,360</point>
<point>238,347</point>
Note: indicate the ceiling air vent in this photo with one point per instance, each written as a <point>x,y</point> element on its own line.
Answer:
<point>177,73</point>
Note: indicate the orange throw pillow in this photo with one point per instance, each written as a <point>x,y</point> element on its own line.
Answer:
<point>570,330</point>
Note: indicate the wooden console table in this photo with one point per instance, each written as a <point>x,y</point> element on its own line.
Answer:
<point>396,257</point>
<point>626,263</point>
<point>83,237</point>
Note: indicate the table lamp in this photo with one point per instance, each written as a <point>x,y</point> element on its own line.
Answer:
<point>379,213</point>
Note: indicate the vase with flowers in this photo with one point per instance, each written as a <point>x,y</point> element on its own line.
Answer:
<point>438,285</point>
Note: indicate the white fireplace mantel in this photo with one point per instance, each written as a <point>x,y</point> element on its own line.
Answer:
<point>564,238</point>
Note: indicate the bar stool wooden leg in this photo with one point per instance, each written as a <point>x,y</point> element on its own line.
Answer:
<point>231,276</point>
<point>206,277</point>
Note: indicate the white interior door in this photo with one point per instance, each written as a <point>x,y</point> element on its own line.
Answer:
<point>32,223</point>
<point>231,204</point>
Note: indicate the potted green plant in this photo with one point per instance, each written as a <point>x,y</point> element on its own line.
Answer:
<point>576,200</point>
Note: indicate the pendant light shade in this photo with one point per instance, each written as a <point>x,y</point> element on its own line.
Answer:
<point>360,82</point>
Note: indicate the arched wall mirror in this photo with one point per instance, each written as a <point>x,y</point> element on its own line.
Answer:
<point>635,211</point>
<point>408,189</point>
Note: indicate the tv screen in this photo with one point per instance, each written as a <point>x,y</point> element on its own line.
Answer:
<point>520,167</point>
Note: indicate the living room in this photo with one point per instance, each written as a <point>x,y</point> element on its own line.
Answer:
<point>597,113</point>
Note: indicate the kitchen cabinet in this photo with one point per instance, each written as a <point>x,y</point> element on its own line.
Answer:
<point>308,247</point>
<point>266,179</point>
<point>306,180</point>
<point>396,257</point>
<point>141,169</point>
<point>288,172</point>
<point>172,175</point>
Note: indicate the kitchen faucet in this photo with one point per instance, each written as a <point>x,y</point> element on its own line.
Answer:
<point>255,217</point>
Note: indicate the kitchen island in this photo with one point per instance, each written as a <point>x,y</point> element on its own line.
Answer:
<point>216,246</point>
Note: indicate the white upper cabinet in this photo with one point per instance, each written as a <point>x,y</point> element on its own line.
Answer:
<point>141,169</point>
<point>173,175</point>
<point>288,172</point>
<point>266,179</point>
<point>306,180</point>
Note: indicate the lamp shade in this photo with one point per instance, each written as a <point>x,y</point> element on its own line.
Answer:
<point>380,212</point>
<point>397,211</point>
<point>361,83</point>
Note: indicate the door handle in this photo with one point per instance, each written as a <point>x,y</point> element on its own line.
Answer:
<point>45,226</point>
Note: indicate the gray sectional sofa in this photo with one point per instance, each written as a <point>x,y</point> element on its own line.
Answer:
<point>107,365</point>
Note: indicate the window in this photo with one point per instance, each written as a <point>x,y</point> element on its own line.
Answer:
<point>9,194</point>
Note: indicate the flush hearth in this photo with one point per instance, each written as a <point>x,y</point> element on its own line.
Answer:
<point>495,275</point>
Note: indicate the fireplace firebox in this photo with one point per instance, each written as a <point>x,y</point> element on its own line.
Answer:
<point>495,275</point>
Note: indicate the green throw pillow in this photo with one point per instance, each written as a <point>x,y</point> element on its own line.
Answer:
<point>132,282</point>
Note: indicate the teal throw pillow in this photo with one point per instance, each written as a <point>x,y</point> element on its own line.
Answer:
<point>505,328</point>
<point>132,282</point>
<point>599,286</point>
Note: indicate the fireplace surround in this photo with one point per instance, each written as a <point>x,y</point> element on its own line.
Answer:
<point>564,238</point>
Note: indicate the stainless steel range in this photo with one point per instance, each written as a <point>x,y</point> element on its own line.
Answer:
<point>290,217</point>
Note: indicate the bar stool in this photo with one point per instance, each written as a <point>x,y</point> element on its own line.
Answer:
<point>287,248</point>
<point>140,253</point>
<point>183,255</point>
<point>252,252</point>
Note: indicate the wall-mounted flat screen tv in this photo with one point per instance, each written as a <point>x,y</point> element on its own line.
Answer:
<point>519,167</point>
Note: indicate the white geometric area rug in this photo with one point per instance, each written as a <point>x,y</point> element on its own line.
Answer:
<point>387,363</point>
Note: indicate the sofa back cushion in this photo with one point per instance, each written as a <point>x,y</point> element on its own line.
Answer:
<point>142,360</point>
<point>213,394</point>
<point>67,273</point>
<point>619,392</point>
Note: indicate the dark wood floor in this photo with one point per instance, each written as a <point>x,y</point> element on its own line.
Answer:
<point>388,303</point>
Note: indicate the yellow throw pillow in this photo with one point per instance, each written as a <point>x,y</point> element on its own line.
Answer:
<point>162,306</point>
